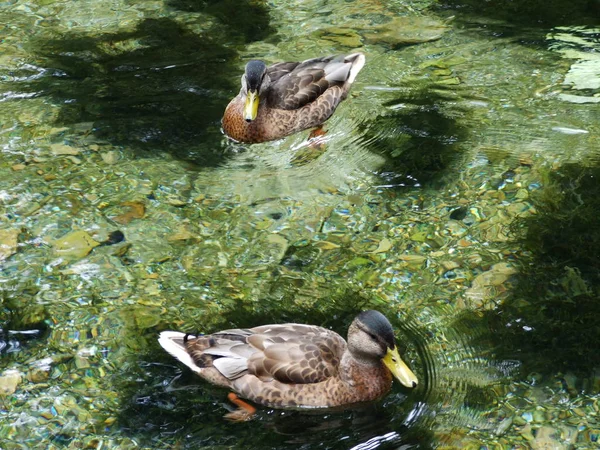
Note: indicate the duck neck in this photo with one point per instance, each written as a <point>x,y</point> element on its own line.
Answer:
<point>355,363</point>
<point>368,376</point>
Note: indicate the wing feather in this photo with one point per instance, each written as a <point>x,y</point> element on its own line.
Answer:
<point>289,353</point>
<point>297,86</point>
<point>231,368</point>
<point>307,355</point>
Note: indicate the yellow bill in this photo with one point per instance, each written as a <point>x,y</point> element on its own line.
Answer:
<point>251,106</point>
<point>399,368</point>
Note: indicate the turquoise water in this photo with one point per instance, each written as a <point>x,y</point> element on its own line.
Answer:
<point>456,192</point>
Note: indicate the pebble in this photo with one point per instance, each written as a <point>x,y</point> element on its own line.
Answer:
<point>546,439</point>
<point>326,245</point>
<point>413,261</point>
<point>346,37</point>
<point>522,194</point>
<point>482,286</point>
<point>504,425</point>
<point>63,149</point>
<point>9,381</point>
<point>183,233</point>
<point>47,415</point>
<point>384,245</point>
<point>449,265</point>
<point>111,157</point>
<point>405,30</point>
<point>134,210</point>
<point>8,243</point>
<point>474,259</point>
<point>176,201</point>
<point>459,213</point>
<point>40,370</point>
<point>450,275</point>
<point>526,433</point>
<point>73,159</point>
<point>76,244</point>
<point>57,130</point>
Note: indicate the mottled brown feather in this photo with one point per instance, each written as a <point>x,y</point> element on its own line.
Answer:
<point>299,96</point>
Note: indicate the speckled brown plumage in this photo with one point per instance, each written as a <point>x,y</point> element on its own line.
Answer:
<point>293,96</point>
<point>294,365</point>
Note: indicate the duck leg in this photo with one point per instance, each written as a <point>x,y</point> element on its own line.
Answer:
<point>244,412</point>
<point>316,138</point>
<point>314,147</point>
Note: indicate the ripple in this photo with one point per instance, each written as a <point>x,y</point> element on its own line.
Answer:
<point>461,373</point>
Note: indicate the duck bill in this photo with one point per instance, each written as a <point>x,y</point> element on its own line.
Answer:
<point>251,106</point>
<point>399,368</point>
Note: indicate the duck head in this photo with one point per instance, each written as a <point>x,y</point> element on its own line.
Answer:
<point>371,339</point>
<point>254,81</point>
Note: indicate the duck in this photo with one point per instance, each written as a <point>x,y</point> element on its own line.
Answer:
<point>288,97</point>
<point>296,366</point>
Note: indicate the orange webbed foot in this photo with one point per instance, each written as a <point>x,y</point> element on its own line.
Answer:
<point>316,139</point>
<point>312,149</point>
<point>244,412</point>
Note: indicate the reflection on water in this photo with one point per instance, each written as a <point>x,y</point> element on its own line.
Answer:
<point>454,190</point>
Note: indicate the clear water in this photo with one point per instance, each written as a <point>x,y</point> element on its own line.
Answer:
<point>456,192</point>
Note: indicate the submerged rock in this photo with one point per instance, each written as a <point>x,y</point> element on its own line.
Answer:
<point>110,157</point>
<point>8,243</point>
<point>40,370</point>
<point>133,210</point>
<point>63,149</point>
<point>344,36</point>
<point>407,30</point>
<point>547,438</point>
<point>74,245</point>
<point>486,286</point>
<point>9,381</point>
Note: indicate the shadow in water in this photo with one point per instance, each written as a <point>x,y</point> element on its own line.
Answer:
<point>536,13</point>
<point>418,136</point>
<point>159,87</point>
<point>246,21</point>
<point>550,322</point>
<point>22,319</point>
<point>12,338</point>
<point>164,403</point>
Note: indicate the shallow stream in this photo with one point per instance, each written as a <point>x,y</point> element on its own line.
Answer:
<point>456,191</point>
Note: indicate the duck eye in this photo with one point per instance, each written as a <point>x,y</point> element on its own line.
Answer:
<point>373,336</point>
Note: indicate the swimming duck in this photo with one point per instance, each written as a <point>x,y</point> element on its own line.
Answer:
<point>288,97</point>
<point>297,366</point>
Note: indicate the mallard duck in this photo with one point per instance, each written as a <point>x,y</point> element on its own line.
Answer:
<point>297,366</point>
<point>288,97</point>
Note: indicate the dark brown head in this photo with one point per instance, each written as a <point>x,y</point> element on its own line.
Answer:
<point>371,339</point>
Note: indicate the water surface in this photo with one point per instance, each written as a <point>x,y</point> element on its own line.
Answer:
<point>456,192</point>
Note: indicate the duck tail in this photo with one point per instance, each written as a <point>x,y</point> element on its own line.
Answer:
<point>358,61</point>
<point>174,343</point>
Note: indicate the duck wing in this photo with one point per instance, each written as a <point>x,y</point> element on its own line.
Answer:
<point>294,353</point>
<point>289,353</point>
<point>293,87</point>
<point>276,71</point>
